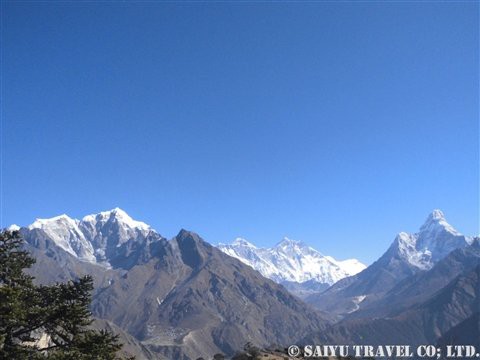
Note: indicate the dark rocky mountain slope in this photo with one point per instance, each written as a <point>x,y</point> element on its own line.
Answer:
<point>422,285</point>
<point>423,323</point>
<point>180,299</point>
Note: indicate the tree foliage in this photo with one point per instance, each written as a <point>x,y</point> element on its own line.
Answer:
<point>46,322</point>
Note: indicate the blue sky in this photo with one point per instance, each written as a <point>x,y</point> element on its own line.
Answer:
<point>339,124</point>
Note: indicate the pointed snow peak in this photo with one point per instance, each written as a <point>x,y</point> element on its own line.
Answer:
<point>434,218</point>
<point>436,215</point>
<point>116,215</point>
<point>117,212</point>
<point>435,240</point>
<point>289,242</point>
<point>436,222</point>
<point>242,242</point>
<point>42,223</point>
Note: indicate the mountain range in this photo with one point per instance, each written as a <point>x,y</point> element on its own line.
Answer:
<point>184,298</point>
<point>107,238</point>
<point>439,306</point>
<point>180,299</point>
<point>300,268</point>
<point>408,255</point>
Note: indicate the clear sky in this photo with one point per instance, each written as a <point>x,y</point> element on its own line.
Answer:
<point>339,124</point>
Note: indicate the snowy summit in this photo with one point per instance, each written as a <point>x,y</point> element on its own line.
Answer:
<point>292,261</point>
<point>435,239</point>
<point>95,237</point>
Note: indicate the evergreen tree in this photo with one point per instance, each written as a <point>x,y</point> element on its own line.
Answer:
<point>46,322</point>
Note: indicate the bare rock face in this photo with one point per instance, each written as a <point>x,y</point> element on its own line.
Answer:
<point>196,298</point>
<point>465,333</point>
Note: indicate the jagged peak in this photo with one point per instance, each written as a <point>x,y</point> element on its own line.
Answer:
<point>437,214</point>
<point>436,221</point>
<point>239,241</point>
<point>118,215</point>
<point>184,234</point>
<point>115,214</point>
<point>292,260</point>
<point>403,236</point>
<point>289,242</point>
<point>192,247</point>
<point>433,242</point>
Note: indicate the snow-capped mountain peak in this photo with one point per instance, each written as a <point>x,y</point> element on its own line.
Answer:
<point>66,233</point>
<point>290,244</point>
<point>436,239</point>
<point>242,242</point>
<point>296,249</point>
<point>97,237</point>
<point>436,222</point>
<point>437,215</point>
<point>50,222</point>
<point>119,216</point>
<point>292,261</point>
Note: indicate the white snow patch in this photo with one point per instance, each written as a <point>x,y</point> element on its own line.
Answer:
<point>356,302</point>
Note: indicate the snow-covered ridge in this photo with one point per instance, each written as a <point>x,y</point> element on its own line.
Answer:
<point>65,232</point>
<point>435,240</point>
<point>292,261</point>
<point>92,238</point>
<point>118,214</point>
<point>98,238</point>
